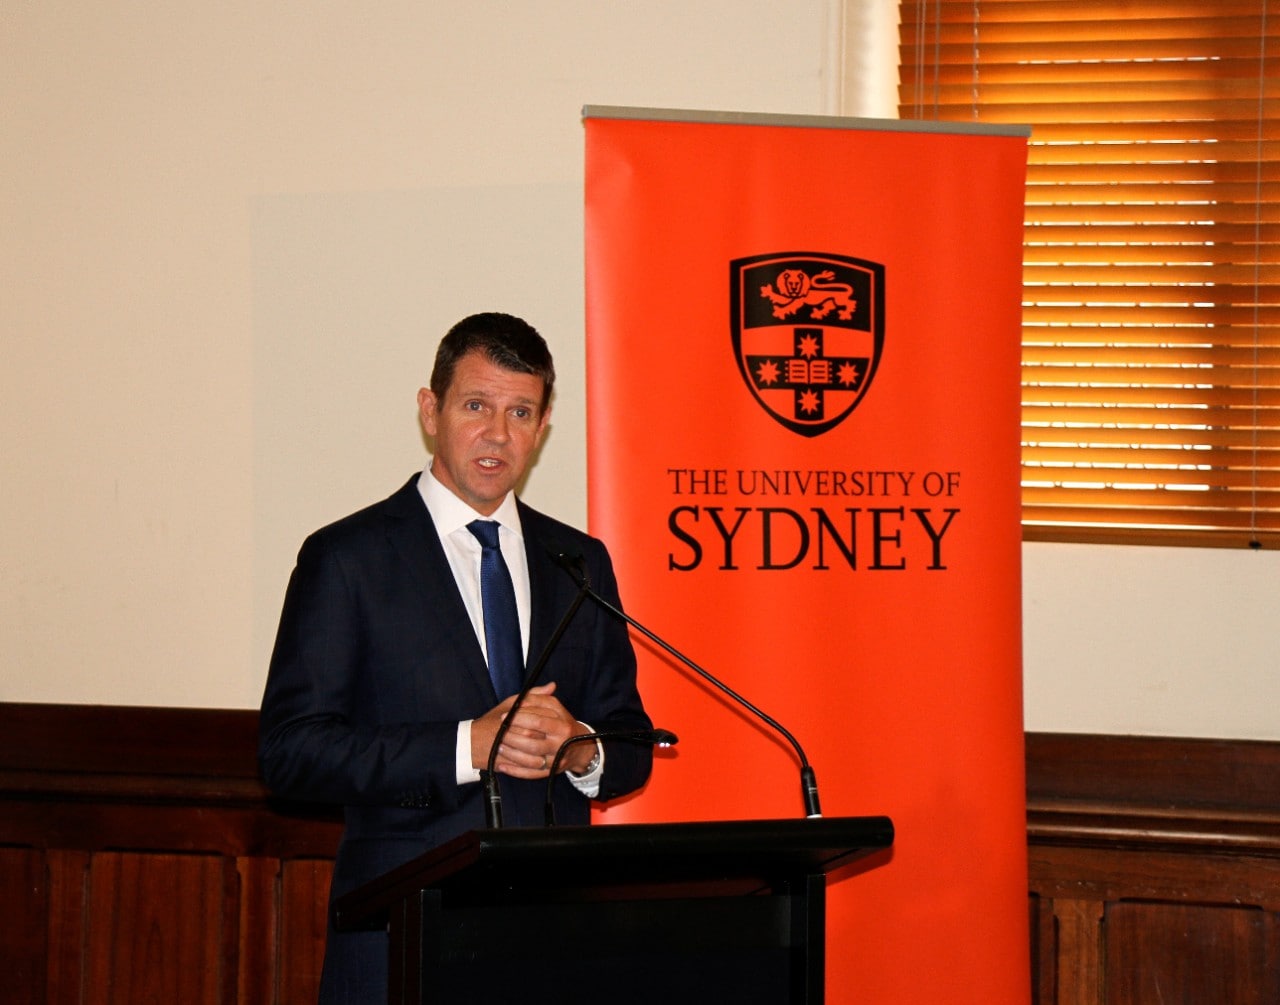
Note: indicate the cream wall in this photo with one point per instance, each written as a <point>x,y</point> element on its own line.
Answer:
<point>231,235</point>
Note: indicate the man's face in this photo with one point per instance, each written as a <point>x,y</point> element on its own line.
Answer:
<point>486,428</point>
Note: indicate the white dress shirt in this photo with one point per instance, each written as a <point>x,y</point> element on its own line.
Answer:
<point>451,516</point>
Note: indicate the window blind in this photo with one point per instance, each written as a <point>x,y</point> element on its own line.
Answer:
<point>1151,279</point>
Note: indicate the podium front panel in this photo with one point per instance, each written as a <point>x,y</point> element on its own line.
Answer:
<point>756,948</point>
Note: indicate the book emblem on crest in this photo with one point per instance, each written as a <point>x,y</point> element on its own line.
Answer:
<point>808,330</point>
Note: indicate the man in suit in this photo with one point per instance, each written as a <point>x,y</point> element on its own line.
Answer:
<point>379,695</point>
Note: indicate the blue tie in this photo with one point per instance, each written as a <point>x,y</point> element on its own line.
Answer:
<point>501,622</point>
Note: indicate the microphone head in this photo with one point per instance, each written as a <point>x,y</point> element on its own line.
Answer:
<point>665,738</point>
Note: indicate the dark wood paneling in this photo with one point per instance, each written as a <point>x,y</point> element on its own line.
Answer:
<point>1154,870</point>
<point>23,949</point>
<point>1154,865</point>
<point>1109,772</point>
<point>142,859</point>
<point>1207,954</point>
<point>66,973</point>
<point>258,947</point>
<point>156,929</point>
<point>304,891</point>
<point>92,777</point>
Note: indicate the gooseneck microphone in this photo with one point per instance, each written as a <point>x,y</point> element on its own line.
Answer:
<point>489,777</point>
<point>655,737</point>
<point>573,565</point>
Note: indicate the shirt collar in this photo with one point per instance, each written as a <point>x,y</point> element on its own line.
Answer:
<point>449,513</point>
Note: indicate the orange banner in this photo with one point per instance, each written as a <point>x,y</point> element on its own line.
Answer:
<point>803,411</point>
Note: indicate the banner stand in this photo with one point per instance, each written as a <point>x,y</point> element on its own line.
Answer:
<point>803,353</point>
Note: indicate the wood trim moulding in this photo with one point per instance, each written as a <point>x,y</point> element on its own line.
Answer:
<point>93,777</point>
<point>127,752</point>
<point>1153,793</point>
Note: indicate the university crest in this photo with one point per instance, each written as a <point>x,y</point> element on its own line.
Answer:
<point>808,329</point>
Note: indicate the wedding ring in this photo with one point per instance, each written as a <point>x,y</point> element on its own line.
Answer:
<point>544,762</point>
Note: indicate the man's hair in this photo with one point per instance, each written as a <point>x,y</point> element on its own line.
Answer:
<point>506,340</point>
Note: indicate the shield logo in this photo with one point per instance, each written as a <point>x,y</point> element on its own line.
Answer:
<point>808,329</point>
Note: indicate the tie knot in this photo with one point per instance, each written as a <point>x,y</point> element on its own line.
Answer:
<point>485,531</point>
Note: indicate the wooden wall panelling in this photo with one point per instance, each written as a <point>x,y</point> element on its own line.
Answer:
<point>152,863</point>
<point>66,976</point>
<point>156,929</point>
<point>258,930</point>
<point>142,859</point>
<point>1159,860</point>
<point>23,913</point>
<point>1078,951</point>
<point>1043,928</point>
<point>304,915</point>
<point>1209,954</point>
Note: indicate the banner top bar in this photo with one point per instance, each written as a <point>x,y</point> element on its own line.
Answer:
<point>802,121</point>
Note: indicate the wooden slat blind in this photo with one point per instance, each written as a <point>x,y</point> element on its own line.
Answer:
<point>1151,309</point>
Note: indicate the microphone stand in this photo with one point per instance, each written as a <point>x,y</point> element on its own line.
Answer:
<point>656,737</point>
<point>808,779</point>
<point>488,776</point>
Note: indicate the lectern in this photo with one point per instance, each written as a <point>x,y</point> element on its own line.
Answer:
<point>731,911</point>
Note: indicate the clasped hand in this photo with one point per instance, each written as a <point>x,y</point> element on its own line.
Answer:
<point>529,747</point>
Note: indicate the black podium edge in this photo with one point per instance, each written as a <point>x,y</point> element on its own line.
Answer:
<point>723,857</point>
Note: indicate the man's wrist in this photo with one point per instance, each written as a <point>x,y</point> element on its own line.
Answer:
<point>592,765</point>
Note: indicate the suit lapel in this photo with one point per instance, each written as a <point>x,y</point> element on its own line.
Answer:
<point>549,596</point>
<point>412,535</point>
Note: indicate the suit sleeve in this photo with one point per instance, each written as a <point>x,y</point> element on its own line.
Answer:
<point>615,701</point>
<point>318,740</point>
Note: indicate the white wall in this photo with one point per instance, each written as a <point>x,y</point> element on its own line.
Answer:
<point>230,236</point>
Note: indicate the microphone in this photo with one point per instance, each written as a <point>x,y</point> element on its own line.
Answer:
<point>488,776</point>
<point>574,566</point>
<point>656,737</point>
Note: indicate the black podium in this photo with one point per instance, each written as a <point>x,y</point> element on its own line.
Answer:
<point>730,911</point>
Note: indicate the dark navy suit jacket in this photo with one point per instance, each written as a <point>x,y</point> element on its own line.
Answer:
<point>376,662</point>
